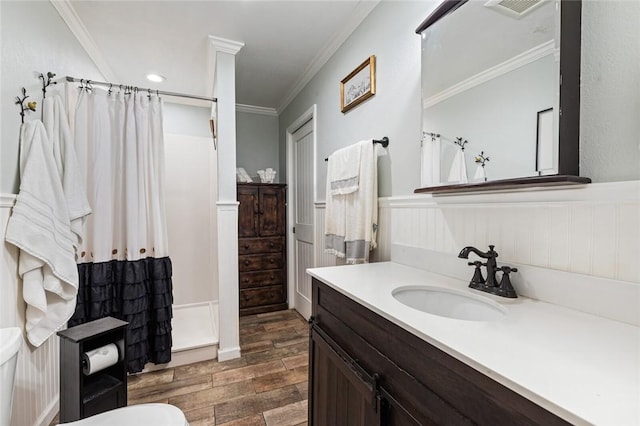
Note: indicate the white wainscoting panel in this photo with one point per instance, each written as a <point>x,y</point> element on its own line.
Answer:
<point>37,385</point>
<point>591,230</point>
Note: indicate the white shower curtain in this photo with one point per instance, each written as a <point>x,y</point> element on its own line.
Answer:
<point>124,266</point>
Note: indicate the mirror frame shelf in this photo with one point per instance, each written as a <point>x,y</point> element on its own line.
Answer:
<point>569,107</point>
<point>506,184</point>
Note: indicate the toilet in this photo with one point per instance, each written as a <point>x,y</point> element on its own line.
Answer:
<point>133,415</point>
<point>10,344</point>
<point>136,415</point>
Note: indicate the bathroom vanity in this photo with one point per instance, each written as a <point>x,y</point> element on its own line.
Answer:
<point>375,361</point>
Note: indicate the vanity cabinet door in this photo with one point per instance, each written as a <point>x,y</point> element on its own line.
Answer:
<point>342,395</point>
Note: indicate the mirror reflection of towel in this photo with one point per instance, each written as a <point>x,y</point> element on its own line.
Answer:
<point>480,175</point>
<point>458,172</point>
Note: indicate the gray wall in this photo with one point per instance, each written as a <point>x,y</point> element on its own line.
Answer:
<point>257,143</point>
<point>185,119</point>
<point>610,93</point>
<point>610,104</point>
<point>388,33</point>
<point>35,39</point>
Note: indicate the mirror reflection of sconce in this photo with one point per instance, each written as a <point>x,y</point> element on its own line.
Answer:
<point>460,142</point>
<point>481,160</point>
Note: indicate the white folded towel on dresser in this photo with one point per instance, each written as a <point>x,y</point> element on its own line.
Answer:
<point>39,226</point>
<point>343,170</point>
<point>351,220</point>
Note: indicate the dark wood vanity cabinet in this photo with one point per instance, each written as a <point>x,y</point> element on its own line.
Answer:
<point>365,370</point>
<point>262,247</point>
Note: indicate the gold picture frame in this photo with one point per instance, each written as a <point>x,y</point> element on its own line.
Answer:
<point>359,85</point>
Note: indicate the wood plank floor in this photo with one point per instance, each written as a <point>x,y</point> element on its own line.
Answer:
<point>267,386</point>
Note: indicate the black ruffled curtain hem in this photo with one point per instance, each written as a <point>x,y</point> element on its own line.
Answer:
<point>139,292</point>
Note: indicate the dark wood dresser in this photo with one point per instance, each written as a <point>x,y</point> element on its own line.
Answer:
<point>262,248</point>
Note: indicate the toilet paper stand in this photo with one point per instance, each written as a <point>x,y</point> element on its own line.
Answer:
<point>83,394</point>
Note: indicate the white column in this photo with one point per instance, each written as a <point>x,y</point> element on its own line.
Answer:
<point>223,65</point>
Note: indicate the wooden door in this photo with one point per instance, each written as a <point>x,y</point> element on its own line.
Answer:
<point>340,394</point>
<point>271,211</point>
<point>248,211</point>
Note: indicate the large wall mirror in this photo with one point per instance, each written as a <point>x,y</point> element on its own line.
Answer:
<point>500,88</point>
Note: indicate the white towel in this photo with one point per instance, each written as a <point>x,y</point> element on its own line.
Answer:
<point>343,170</point>
<point>351,220</point>
<point>39,226</point>
<point>480,175</point>
<point>458,172</point>
<point>57,127</point>
<point>430,153</point>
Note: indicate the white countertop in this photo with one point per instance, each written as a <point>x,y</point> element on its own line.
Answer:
<point>583,368</point>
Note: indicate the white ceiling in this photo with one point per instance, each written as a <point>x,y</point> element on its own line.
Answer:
<point>285,41</point>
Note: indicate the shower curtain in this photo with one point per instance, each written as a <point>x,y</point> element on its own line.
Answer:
<point>123,262</point>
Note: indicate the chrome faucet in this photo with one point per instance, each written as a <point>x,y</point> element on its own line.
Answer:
<point>490,285</point>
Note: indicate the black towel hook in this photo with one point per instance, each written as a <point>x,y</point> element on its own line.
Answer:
<point>31,105</point>
<point>47,83</point>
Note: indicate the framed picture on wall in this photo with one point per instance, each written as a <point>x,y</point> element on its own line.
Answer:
<point>359,85</point>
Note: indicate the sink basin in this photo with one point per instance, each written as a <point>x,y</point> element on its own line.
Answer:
<point>449,303</point>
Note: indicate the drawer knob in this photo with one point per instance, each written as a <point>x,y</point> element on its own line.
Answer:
<point>246,280</point>
<point>246,246</point>
<point>271,276</point>
<point>272,260</point>
<point>246,297</point>
<point>272,294</point>
<point>271,245</point>
<point>246,262</point>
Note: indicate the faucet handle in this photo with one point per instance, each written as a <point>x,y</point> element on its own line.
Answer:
<point>478,280</point>
<point>506,288</point>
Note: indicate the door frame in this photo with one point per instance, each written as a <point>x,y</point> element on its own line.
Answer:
<point>309,115</point>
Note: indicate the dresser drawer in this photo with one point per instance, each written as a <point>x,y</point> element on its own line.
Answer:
<point>258,262</point>
<point>260,245</point>
<point>261,296</point>
<point>261,278</point>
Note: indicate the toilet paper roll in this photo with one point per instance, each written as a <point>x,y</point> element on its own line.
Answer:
<point>99,358</point>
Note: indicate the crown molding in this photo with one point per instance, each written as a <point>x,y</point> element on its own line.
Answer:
<point>509,65</point>
<point>218,44</point>
<point>360,12</point>
<point>224,45</point>
<point>251,109</point>
<point>71,18</point>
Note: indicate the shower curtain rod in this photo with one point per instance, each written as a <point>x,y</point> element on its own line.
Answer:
<point>159,92</point>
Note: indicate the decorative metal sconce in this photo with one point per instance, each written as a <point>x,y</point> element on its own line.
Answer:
<point>481,159</point>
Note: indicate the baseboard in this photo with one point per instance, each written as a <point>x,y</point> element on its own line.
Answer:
<point>228,353</point>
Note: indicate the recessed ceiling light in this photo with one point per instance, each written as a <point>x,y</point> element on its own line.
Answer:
<point>156,78</point>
